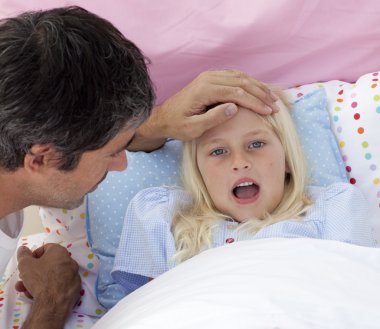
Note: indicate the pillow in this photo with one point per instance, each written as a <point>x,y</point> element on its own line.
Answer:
<point>312,121</point>
<point>107,205</point>
<point>354,109</point>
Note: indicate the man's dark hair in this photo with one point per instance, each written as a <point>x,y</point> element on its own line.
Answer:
<point>67,77</point>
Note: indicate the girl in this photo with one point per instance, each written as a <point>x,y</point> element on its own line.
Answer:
<point>244,179</point>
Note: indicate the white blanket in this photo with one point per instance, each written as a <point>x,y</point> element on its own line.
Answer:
<point>271,283</point>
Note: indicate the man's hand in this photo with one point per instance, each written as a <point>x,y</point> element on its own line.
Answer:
<point>187,114</point>
<point>50,276</point>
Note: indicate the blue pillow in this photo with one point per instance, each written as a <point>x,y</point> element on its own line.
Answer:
<point>313,125</point>
<point>107,205</point>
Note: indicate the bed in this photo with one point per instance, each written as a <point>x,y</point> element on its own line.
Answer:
<point>325,54</point>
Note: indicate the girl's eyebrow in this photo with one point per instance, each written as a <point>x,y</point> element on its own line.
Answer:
<point>217,140</point>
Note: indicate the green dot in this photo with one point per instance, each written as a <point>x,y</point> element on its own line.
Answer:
<point>376,98</point>
<point>365,144</point>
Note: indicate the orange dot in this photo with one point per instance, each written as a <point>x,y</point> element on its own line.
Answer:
<point>339,100</point>
<point>47,229</point>
<point>360,130</point>
<point>374,85</point>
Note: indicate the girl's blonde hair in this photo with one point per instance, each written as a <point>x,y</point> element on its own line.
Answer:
<point>192,226</point>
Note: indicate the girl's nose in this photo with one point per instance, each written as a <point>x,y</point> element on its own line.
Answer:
<point>240,162</point>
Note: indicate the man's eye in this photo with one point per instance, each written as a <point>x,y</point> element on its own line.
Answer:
<point>115,155</point>
<point>256,145</point>
<point>218,152</point>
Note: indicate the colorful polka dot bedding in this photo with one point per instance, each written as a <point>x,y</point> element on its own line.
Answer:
<point>354,109</point>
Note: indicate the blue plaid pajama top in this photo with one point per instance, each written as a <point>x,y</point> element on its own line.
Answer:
<point>147,245</point>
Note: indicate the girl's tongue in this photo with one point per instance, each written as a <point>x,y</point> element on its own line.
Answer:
<point>246,192</point>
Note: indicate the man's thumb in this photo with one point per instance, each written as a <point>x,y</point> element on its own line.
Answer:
<point>229,109</point>
<point>23,252</point>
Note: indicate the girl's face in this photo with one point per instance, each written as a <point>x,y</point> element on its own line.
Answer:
<point>242,163</point>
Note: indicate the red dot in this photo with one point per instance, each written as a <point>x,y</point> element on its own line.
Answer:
<point>375,74</point>
<point>376,79</point>
<point>340,92</point>
<point>357,116</point>
<point>348,169</point>
<point>230,240</point>
<point>354,104</point>
<point>352,180</point>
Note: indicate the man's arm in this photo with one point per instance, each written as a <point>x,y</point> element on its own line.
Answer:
<point>187,115</point>
<point>50,276</point>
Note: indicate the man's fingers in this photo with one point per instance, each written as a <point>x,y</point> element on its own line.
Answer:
<point>238,87</point>
<point>213,117</point>
<point>19,286</point>
<point>23,252</point>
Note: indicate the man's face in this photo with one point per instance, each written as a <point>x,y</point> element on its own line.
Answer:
<point>66,189</point>
<point>242,163</point>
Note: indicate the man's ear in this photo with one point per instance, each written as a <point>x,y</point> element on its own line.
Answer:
<point>39,157</point>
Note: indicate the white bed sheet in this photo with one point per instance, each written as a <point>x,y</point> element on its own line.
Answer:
<point>272,283</point>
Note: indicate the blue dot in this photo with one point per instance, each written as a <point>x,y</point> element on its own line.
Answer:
<point>336,118</point>
<point>368,156</point>
<point>90,265</point>
<point>378,109</point>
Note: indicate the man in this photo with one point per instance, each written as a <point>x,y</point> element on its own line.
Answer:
<point>73,95</point>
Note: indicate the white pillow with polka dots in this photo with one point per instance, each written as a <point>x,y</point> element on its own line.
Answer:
<point>354,110</point>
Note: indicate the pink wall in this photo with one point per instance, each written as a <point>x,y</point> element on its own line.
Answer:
<point>289,42</point>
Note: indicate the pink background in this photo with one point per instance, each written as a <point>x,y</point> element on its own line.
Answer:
<point>288,42</point>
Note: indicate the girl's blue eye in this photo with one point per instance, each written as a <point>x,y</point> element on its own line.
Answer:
<point>218,152</point>
<point>256,145</point>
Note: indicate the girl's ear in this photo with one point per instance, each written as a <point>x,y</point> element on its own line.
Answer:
<point>39,157</point>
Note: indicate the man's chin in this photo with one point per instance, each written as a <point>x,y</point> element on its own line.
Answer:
<point>93,189</point>
<point>69,205</point>
<point>74,205</point>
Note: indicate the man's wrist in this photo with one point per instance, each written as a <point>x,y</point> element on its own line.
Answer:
<point>150,135</point>
<point>47,314</point>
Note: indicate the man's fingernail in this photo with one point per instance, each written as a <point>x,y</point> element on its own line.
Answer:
<point>230,109</point>
<point>268,110</point>
<point>275,107</point>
